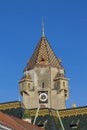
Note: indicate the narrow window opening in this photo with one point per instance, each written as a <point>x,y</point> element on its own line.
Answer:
<point>43,85</point>
<point>29,85</point>
<point>64,84</point>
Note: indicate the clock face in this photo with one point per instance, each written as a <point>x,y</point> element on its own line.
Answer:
<point>43,97</point>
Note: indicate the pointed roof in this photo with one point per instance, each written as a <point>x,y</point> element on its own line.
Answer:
<point>43,56</point>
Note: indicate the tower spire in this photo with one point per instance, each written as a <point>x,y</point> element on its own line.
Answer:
<point>43,28</point>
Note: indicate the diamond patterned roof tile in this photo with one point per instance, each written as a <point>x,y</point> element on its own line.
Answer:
<point>43,56</point>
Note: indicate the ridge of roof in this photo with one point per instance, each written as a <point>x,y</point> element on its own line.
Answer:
<point>10,102</point>
<point>63,112</point>
<point>9,105</point>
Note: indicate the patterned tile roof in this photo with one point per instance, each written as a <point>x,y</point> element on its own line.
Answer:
<point>70,119</point>
<point>9,105</point>
<point>16,123</point>
<point>43,56</point>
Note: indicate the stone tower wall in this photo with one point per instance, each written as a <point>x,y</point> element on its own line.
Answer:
<point>39,76</point>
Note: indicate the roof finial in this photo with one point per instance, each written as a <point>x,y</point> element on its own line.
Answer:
<point>43,28</point>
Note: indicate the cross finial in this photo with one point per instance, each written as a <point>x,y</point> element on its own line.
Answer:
<point>43,28</point>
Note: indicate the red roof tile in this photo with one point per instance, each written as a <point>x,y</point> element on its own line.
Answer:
<point>16,123</point>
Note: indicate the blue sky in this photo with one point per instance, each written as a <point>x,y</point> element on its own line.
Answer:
<point>20,31</point>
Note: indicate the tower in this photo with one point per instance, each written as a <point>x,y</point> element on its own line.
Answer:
<point>44,83</point>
